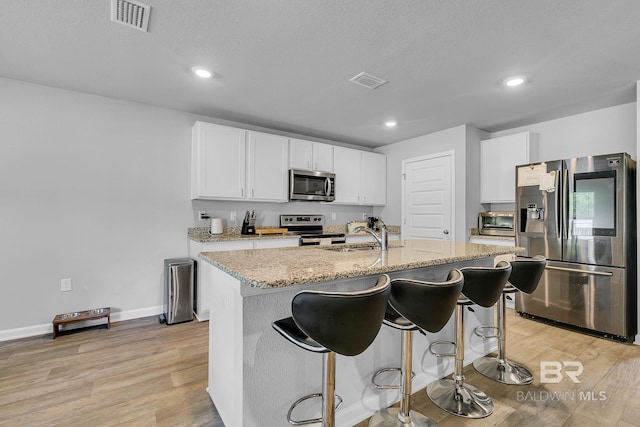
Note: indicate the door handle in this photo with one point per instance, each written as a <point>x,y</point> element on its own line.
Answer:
<point>445,231</point>
<point>575,270</point>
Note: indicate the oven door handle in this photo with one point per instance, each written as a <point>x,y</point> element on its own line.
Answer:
<point>575,270</point>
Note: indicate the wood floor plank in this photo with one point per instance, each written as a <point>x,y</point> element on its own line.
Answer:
<point>141,373</point>
<point>609,366</point>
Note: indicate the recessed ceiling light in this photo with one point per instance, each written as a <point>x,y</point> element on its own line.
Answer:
<point>202,72</point>
<point>514,81</point>
<point>390,123</point>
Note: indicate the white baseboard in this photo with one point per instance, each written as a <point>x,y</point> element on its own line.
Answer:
<point>47,328</point>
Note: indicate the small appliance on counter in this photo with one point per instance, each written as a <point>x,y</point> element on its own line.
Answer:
<point>249,223</point>
<point>496,224</point>
<point>216,226</point>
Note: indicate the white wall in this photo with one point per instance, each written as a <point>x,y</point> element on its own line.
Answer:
<point>609,130</point>
<point>96,190</point>
<point>460,139</point>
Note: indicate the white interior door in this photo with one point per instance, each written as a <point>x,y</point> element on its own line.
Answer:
<point>427,197</point>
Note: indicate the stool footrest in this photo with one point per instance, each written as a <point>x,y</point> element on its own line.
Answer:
<point>478,330</point>
<point>311,421</point>
<point>388,386</point>
<point>451,343</point>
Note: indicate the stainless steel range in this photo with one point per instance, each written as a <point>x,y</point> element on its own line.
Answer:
<point>310,229</point>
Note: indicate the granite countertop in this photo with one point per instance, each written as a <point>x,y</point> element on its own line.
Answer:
<point>202,235</point>
<point>281,267</point>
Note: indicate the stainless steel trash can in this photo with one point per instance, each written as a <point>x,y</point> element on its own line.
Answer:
<point>178,278</point>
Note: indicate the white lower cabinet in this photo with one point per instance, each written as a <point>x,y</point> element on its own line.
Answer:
<point>367,238</point>
<point>202,294</point>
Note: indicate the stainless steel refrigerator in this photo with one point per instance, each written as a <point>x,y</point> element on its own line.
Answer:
<point>581,215</point>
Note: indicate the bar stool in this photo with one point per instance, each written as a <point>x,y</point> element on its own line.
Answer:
<point>482,286</point>
<point>414,305</point>
<point>525,276</point>
<point>333,322</point>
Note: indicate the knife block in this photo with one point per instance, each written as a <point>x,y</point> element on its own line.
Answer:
<point>247,228</point>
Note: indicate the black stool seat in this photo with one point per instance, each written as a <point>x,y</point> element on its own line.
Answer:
<point>414,305</point>
<point>288,329</point>
<point>525,276</point>
<point>482,286</point>
<point>345,323</point>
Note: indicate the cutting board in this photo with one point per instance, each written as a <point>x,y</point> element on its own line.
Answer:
<point>266,231</point>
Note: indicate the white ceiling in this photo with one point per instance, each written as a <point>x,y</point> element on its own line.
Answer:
<point>286,64</point>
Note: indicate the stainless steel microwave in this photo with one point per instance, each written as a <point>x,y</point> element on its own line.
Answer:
<point>312,185</point>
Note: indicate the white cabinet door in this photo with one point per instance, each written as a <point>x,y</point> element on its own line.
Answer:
<point>218,162</point>
<point>276,243</point>
<point>322,157</point>
<point>268,167</point>
<point>498,159</point>
<point>310,155</point>
<point>373,179</point>
<point>361,177</point>
<point>346,164</point>
<point>300,154</point>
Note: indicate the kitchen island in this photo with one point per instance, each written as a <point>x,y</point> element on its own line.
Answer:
<point>255,374</point>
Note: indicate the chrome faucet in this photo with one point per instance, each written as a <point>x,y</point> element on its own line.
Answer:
<point>382,239</point>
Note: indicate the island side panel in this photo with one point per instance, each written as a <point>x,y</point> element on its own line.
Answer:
<point>225,383</point>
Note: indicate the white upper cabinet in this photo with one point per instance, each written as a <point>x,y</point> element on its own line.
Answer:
<point>346,165</point>
<point>361,177</point>
<point>218,159</point>
<point>230,163</point>
<point>373,178</point>
<point>322,157</point>
<point>310,155</point>
<point>498,159</point>
<point>267,167</point>
<point>234,164</point>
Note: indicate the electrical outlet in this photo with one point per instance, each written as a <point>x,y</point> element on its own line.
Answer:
<point>233,216</point>
<point>65,285</point>
<point>201,215</point>
<point>333,216</point>
<point>364,216</point>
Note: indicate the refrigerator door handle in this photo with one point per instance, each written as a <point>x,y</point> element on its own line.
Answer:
<point>565,203</point>
<point>558,215</point>
<point>575,270</point>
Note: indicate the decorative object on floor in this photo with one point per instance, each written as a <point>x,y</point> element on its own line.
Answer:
<point>80,316</point>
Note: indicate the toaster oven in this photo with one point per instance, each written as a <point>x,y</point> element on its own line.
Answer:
<point>496,223</point>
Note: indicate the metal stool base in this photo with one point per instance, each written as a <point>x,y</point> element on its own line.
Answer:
<point>389,418</point>
<point>462,400</point>
<point>503,371</point>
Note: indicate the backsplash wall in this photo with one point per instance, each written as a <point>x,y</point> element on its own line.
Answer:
<point>268,214</point>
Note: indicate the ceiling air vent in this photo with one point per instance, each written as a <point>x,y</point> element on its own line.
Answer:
<point>131,13</point>
<point>368,80</point>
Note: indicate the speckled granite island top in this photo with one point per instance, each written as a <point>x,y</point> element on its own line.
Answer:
<point>276,268</point>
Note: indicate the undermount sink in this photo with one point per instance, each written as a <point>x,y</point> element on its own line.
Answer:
<point>358,248</point>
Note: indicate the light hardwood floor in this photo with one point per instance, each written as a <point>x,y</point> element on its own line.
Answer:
<point>138,373</point>
<point>141,373</point>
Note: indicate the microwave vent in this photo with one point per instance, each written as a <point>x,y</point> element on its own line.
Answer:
<point>131,13</point>
<point>368,80</point>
